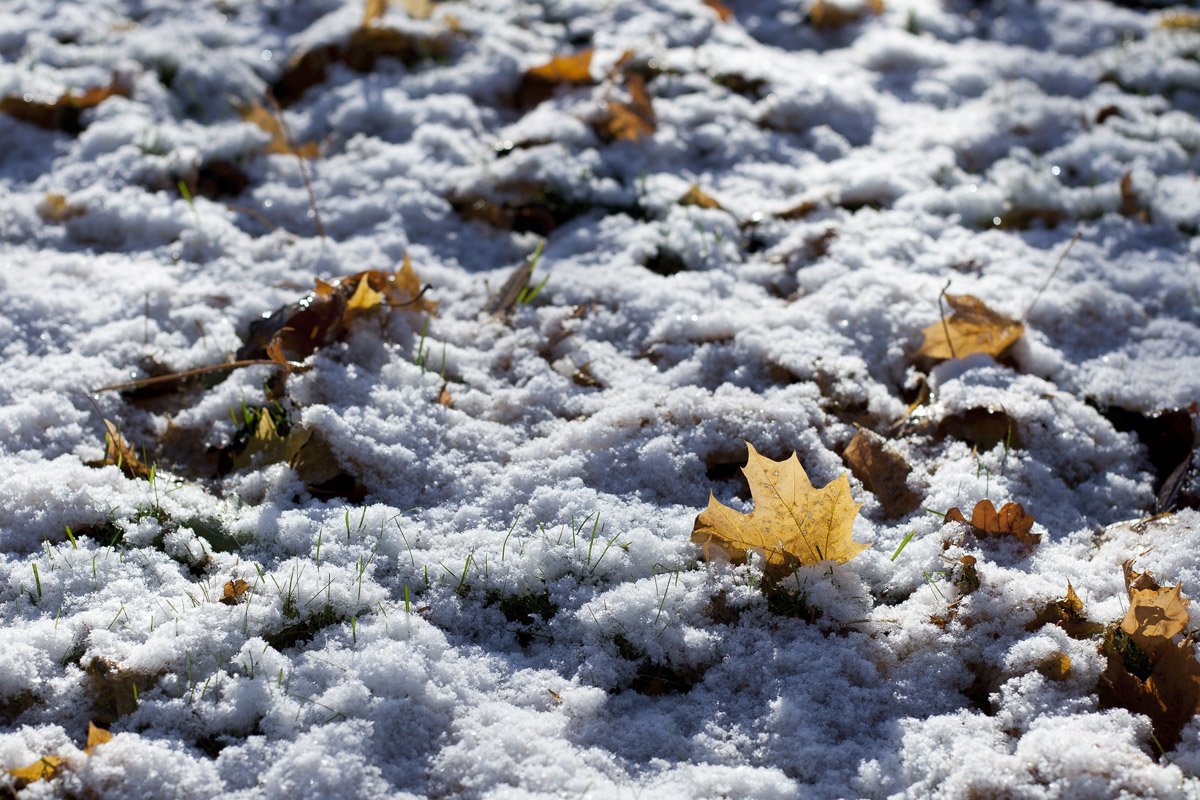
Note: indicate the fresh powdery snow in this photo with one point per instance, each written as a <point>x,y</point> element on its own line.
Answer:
<point>492,591</point>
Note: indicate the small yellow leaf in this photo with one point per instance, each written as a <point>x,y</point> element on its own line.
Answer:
<point>792,524</point>
<point>96,735</point>
<point>55,208</point>
<point>364,298</point>
<point>972,328</point>
<point>373,11</point>
<point>565,69</point>
<point>42,769</point>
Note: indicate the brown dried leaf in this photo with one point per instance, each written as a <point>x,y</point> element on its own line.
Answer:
<point>266,446</point>
<point>268,122</point>
<point>1154,617</point>
<point>444,397</point>
<point>1010,521</point>
<point>883,472</point>
<point>1056,666</point>
<point>64,112</point>
<point>695,196</point>
<point>635,119</point>
<point>502,303</point>
<point>1067,614</point>
<point>792,524</point>
<point>972,328</point>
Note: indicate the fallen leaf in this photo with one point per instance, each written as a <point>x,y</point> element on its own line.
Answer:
<point>373,11</point>
<point>539,83</point>
<point>64,113</point>
<point>299,329</point>
<point>972,328</point>
<point>266,446</point>
<point>697,197</point>
<point>1180,20</point>
<point>55,208</point>
<point>1056,666</point>
<point>119,453</point>
<point>1010,521</point>
<point>504,300</point>
<point>1147,672</point>
<point>269,122</point>
<point>43,769</point>
<point>630,121</point>
<point>882,471</point>
<point>724,12</point>
<point>444,397</point>
<point>231,595</point>
<point>1130,203</point>
<point>792,524</point>
<point>825,15</point>
<point>96,736</point>
<point>982,427</point>
<point>1067,614</point>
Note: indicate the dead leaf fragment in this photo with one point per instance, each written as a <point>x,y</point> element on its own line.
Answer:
<point>55,208</point>
<point>268,122</point>
<point>972,328</point>
<point>882,471</point>
<point>1010,521</point>
<point>1067,614</point>
<point>96,736</point>
<point>266,446</point>
<point>792,524</point>
<point>43,769</point>
<point>1056,666</point>
<point>120,453</point>
<point>695,196</point>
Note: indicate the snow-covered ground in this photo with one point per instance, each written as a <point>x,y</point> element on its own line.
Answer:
<point>497,595</point>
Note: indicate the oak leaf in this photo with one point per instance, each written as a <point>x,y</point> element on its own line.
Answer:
<point>792,524</point>
<point>972,328</point>
<point>1010,521</point>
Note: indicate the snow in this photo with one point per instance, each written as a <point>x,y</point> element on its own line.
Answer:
<point>495,616</point>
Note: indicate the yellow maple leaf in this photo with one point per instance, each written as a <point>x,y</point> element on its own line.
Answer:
<point>792,524</point>
<point>972,328</point>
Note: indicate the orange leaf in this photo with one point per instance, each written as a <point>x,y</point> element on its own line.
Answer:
<point>565,69</point>
<point>972,328</point>
<point>1010,520</point>
<point>825,14</point>
<point>724,13</point>
<point>792,522</point>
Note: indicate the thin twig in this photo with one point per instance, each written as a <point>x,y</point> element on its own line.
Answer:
<point>1050,277</point>
<point>291,143</point>
<point>175,376</point>
<point>250,212</point>
<point>945,326</point>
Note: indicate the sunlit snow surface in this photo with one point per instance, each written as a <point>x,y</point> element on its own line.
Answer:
<point>911,134</point>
